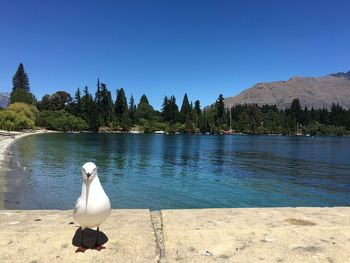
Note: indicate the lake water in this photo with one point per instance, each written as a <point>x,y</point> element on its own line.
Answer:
<point>181,171</point>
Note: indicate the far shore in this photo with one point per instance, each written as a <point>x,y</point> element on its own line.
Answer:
<point>7,138</point>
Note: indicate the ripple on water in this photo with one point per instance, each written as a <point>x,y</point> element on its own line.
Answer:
<point>182,171</point>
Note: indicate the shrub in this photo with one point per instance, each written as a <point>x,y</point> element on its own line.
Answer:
<point>12,121</point>
<point>26,110</point>
<point>321,129</point>
<point>61,121</point>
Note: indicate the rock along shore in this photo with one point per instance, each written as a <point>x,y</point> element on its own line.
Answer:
<point>194,235</point>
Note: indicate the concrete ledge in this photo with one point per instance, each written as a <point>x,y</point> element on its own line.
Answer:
<point>257,235</point>
<point>198,235</point>
<point>26,239</point>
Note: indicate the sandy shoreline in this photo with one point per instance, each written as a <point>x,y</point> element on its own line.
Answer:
<point>6,140</point>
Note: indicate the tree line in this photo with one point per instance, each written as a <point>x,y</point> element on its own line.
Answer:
<point>96,111</point>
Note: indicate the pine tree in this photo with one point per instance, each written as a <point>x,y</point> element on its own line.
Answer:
<point>98,85</point>
<point>197,107</point>
<point>20,79</point>
<point>196,114</point>
<point>169,109</point>
<point>314,115</point>
<point>121,105</point>
<point>144,109</point>
<point>174,109</point>
<point>99,104</point>
<point>220,107</point>
<point>20,90</point>
<point>295,106</point>
<point>144,100</point>
<point>185,112</point>
<point>297,115</point>
<point>21,95</point>
<point>106,107</point>
<point>165,108</point>
<point>121,110</point>
<point>125,121</point>
<point>111,115</point>
<point>88,109</point>
<point>132,110</point>
<point>77,102</point>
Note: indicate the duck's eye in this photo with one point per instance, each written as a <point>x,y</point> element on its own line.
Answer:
<point>94,170</point>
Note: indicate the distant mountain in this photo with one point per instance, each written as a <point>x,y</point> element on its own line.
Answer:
<point>312,92</point>
<point>341,75</point>
<point>4,99</point>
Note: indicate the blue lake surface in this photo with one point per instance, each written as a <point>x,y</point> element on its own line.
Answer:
<point>181,171</point>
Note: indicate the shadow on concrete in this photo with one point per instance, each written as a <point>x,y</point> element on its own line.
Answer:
<point>89,238</point>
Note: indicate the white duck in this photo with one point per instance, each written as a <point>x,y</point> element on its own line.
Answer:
<point>93,206</point>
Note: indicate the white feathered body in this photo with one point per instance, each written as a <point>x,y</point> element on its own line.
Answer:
<point>93,206</point>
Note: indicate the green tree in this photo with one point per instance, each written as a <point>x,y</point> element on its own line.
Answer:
<point>61,121</point>
<point>104,107</point>
<point>121,105</point>
<point>173,110</point>
<point>132,110</point>
<point>88,112</point>
<point>20,87</point>
<point>165,108</point>
<point>106,114</point>
<point>77,103</point>
<point>57,101</point>
<point>170,110</point>
<point>185,112</point>
<point>125,121</point>
<point>20,79</point>
<point>296,110</point>
<point>22,95</point>
<point>250,120</point>
<point>220,107</point>
<point>122,111</point>
<point>197,107</point>
<point>144,109</point>
<point>99,104</point>
<point>44,104</point>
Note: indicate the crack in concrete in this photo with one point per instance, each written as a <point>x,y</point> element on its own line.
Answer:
<point>157,223</point>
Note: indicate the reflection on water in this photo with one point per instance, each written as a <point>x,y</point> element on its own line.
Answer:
<point>182,171</point>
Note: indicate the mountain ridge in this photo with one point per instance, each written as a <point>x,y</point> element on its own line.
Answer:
<point>4,99</point>
<point>316,92</point>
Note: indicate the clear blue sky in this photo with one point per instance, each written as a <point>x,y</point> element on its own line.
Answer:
<point>164,47</point>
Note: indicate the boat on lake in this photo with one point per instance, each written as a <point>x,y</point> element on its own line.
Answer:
<point>159,132</point>
<point>135,132</point>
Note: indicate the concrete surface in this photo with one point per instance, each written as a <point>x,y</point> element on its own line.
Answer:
<point>197,235</point>
<point>46,236</point>
<point>257,235</point>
